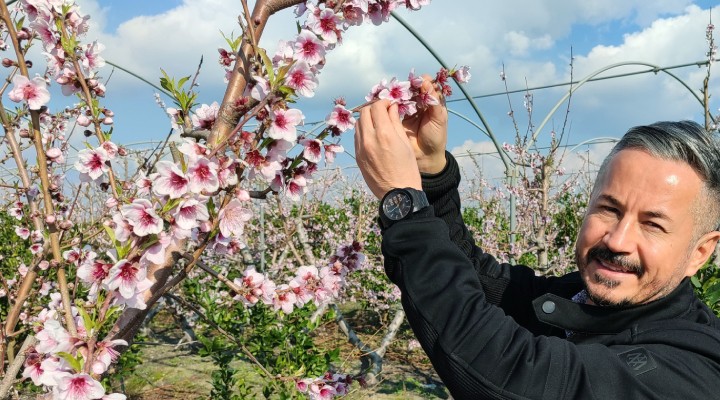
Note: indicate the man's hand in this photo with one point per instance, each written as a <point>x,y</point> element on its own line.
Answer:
<point>427,131</point>
<point>383,151</point>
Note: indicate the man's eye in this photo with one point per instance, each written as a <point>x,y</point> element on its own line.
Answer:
<point>608,209</point>
<point>654,226</point>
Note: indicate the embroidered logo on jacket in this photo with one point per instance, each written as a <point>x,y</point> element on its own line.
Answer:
<point>638,360</point>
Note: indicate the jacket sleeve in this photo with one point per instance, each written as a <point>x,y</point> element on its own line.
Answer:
<point>479,351</point>
<point>444,197</point>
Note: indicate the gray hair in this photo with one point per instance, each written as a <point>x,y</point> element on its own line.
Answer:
<point>683,141</point>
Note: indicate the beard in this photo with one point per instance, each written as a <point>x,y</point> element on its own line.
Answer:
<point>603,254</point>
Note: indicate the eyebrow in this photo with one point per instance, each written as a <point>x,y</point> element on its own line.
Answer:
<point>616,203</point>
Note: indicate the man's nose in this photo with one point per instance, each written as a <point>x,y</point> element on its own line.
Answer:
<point>621,237</point>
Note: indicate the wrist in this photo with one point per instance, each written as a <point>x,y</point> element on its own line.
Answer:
<point>432,165</point>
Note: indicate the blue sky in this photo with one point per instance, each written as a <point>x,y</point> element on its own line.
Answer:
<point>533,45</point>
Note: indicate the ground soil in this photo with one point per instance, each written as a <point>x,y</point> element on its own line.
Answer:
<point>171,371</point>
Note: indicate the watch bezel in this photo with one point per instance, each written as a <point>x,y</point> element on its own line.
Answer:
<point>404,211</point>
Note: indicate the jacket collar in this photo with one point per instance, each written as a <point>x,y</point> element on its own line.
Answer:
<point>583,318</point>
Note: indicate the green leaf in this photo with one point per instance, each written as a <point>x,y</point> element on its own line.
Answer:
<point>695,281</point>
<point>110,232</point>
<point>182,81</point>
<point>87,320</point>
<point>268,64</point>
<point>75,363</point>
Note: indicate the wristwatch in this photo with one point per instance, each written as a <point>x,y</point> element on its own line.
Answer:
<point>399,204</point>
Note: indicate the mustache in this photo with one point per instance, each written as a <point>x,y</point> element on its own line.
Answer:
<point>604,254</point>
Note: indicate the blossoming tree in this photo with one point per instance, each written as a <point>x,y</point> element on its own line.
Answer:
<point>160,221</point>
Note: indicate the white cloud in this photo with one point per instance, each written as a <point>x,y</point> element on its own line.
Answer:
<point>664,32</point>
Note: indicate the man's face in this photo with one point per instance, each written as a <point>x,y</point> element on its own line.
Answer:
<point>635,242</point>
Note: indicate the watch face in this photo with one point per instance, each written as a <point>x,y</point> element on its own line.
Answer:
<point>397,205</point>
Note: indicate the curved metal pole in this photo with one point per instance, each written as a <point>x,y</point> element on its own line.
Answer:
<point>594,74</point>
<point>469,121</point>
<point>127,71</point>
<point>593,140</point>
<point>510,167</point>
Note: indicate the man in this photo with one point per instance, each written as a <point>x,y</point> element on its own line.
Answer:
<point>627,325</point>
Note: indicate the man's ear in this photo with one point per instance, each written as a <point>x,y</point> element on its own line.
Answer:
<point>704,248</point>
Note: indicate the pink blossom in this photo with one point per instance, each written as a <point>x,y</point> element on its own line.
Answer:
<point>462,74</point>
<point>325,25</point>
<point>284,299</point>
<point>174,115</point>
<point>258,89</point>
<point>416,4</point>
<point>16,211</point>
<point>192,149</point>
<point>33,91</point>
<point>189,214</point>
<point>283,54</point>
<point>90,57</point>
<point>128,278</point>
<point>331,150</point>
<point>254,287</point>
<point>105,354</point>
<point>396,91</point>
<point>301,79</point>
<point>204,117</point>
<point>93,272</point>
<point>53,338</point>
<point>321,391</point>
<point>110,148</point>
<point>313,149</point>
<point>23,232</point>
<point>55,155</point>
<point>309,48</point>
<point>143,183</point>
<point>379,12</point>
<point>227,175</point>
<point>340,118</point>
<point>202,176</point>
<point>375,90</point>
<point>122,229</point>
<point>169,180</point>
<point>284,124</point>
<point>78,387</point>
<point>36,248</point>
<point>226,58</point>
<point>83,120</point>
<point>48,372</point>
<point>92,164</point>
<point>233,218</point>
<point>141,215</point>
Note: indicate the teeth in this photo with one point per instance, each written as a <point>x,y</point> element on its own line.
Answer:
<point>612,267</point>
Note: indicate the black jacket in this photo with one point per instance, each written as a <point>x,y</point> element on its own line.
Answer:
<point>496,331</point>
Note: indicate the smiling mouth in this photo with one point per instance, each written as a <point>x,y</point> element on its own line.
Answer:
<point>614,267</point>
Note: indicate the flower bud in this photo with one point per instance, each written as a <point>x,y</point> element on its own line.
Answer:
<point>65,224</point>
<point>107,121</point>
<point>108,113</point>
<point>87,133</point>
<point>24,133</point>
<point>7,63</point>
<point>122,152</point>
<point>50,219</point>
<point>28,63</point>
<point>111,202</point>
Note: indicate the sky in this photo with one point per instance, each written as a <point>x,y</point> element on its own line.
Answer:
<point>533,41</point>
